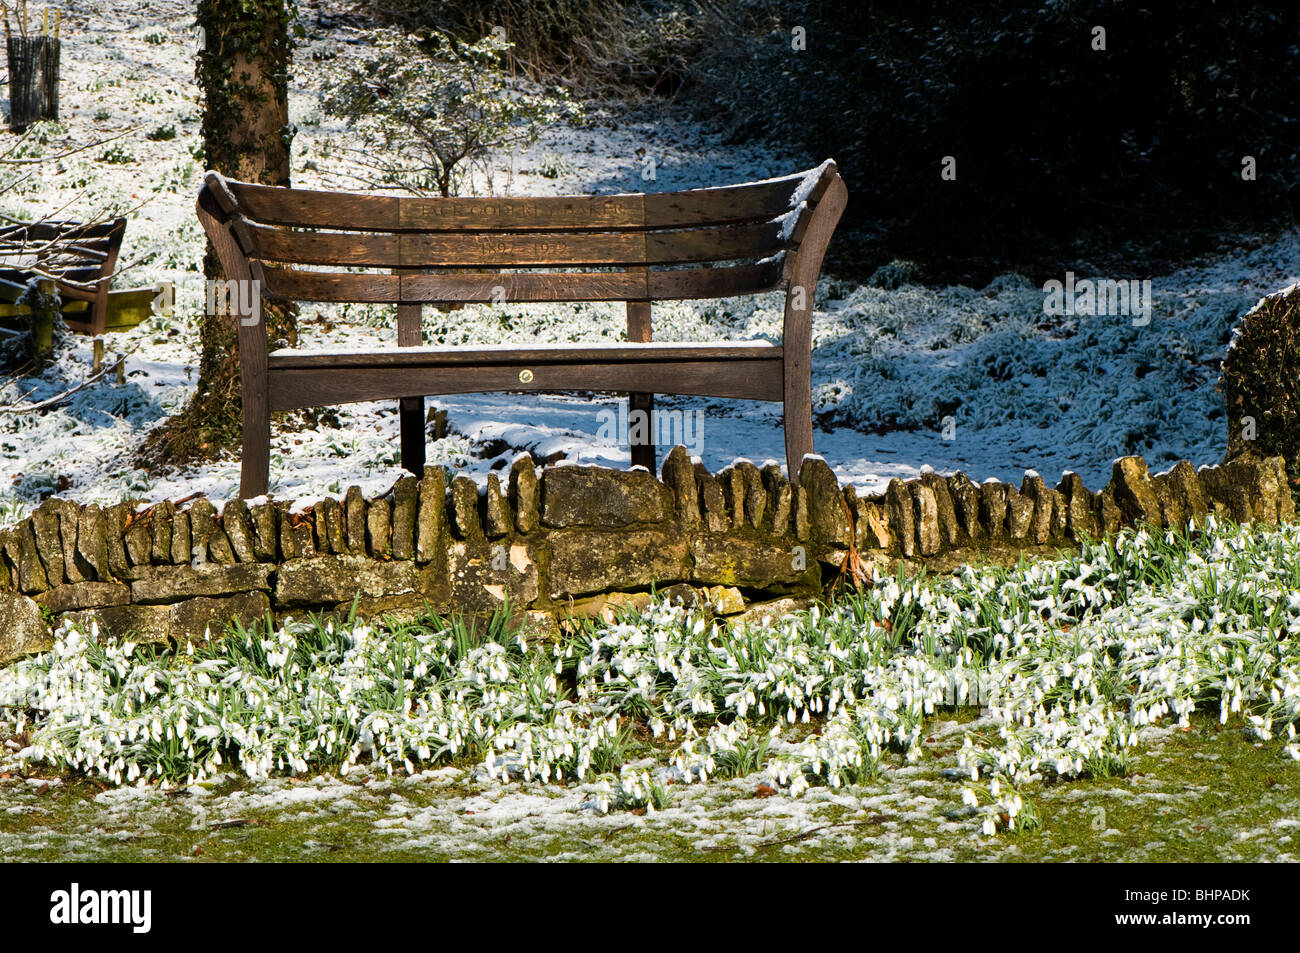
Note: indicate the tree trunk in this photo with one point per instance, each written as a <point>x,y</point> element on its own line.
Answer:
<point>243,71</point>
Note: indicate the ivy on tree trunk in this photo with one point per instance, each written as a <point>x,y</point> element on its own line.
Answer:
<point>243,72</point>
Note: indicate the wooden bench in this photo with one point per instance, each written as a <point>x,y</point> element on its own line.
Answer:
<point>79,257</point>
<point>293,244</point>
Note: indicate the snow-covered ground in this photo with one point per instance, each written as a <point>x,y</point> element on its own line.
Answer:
<point>1023,390</point>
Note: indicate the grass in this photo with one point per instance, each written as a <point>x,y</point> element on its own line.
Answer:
<point>1090,661</point>
<point>1209,794</point>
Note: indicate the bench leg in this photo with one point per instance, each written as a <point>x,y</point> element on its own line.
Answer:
<point>639,329</point>
<point>255,466</point>
<point>411,415</point>
<point>643,454</point>
<point>797,409</point>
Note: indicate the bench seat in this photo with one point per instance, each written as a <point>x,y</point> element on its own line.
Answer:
<point>442,354</point>
<point>733,369</point>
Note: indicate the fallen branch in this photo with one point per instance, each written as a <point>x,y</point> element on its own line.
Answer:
<point>60,398</point>
<point>37,160</point>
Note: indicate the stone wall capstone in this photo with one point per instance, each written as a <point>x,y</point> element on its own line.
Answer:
<point>568,541</point>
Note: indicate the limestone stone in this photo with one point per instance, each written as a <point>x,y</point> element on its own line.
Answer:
<point>171,583</point>
<point>595,496</point>
<point>485,575</point>
<point>587,561</point>
<point>1109,516</point>
<point>219,549</point>
<point>203,618</point>
<point>1079,507</point>
<point>1249,487</point>
<point>1020,514</point>
<point>304,538</point>
<point>1181,498</point>
<point>679,594</point>
<point>320,524</point>
<point>405,503</point>
<point>403,609</point>
<point>766,613</point>
<point>114,525</point>
<point>84,595</point>
<point>779,499</point>
<point>713,505</point>
<point>1059,515</point>
<point>182,539</point>
<point>872,523</point>
<point>161,548</point>
<point>1286,511</point>
<point>68,514</point>
<point>925,512</point>
<point>138,540</point>
<point>262,517</point>
<point>678,476</point>
<point>354,521</point>
<point>49,547</point>
<point>332,579</point>
<point>733,495</point>
<point>431,517</point>
<point>92,542</point>
<point>22,629</point>
<point>524,493</point>
<point>738,561</point>
<point>966,504</point>
<point>498,520</point>
<point>1044,500</point>
<point>238,530</point>
<point>31,574</point>
<point>993,508</point>
<point>379,528</point>
<point>1133,491</point>
<point>202,522</point>
<point>828,518</point>
<point>288,543</point>
<point>724,600</point>
<point>755,494</point>
<point>950,534</point>
<point>902,522</point>
<point>328,517</point>
<point>607,606</point>
<point>142,623</point>
<point>464,509</point>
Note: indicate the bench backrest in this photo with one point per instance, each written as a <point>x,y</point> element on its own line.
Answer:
<point>80,256</point>
<point>703,243</point>
<point>71,251</point>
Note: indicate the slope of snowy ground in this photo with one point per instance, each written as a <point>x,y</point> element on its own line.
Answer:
<point>1023,390</point>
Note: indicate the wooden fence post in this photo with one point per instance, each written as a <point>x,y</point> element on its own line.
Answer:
<point>33,80</point>
<point>45,312</point>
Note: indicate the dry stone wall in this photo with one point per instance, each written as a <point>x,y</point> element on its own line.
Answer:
<point>566,542</point>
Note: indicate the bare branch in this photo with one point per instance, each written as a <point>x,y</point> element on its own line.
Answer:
<point>60,398</point>
<point>4,160</point>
